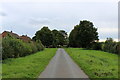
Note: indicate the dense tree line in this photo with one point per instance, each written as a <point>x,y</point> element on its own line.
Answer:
<point>13,48</point>
<point>84,35</point>
<point>51,38</point>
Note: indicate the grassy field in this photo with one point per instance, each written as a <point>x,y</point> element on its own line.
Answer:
<point>96,64</point>
<point>27,67</point>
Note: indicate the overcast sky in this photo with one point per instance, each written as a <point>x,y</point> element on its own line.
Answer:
<point>28,16</point>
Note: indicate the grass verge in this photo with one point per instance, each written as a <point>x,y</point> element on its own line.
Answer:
<point>96,64</point>
<point>27,67</point>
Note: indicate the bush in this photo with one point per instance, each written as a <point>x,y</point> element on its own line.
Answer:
<point>95,46</point>
<point>13,48</point>
<point>110,46</point>
<point>7,46</point>
<point>39,45</point>
<point>33,47</point>
<point>118,48</point>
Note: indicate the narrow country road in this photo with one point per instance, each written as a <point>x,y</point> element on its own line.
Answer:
<point>62,66</point>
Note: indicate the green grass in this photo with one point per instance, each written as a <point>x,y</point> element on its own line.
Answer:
<point>96,64</point>
<point>27,67</point>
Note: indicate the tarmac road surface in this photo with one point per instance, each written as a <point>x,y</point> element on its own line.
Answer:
<point>62,66</point>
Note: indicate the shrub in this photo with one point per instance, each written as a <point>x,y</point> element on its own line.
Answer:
<point>118,48</point>
<point>39,45</point>
<point>110,46</point>
<point>26,50</point>
<point>33,47</point>
<point>13,48</point>
<point>8,50</point>
<point>95,46</point>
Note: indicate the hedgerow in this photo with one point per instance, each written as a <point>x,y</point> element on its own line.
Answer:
<point>13,48</point>
<point>108,46</point>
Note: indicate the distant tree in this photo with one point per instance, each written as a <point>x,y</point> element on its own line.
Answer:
<point>73,42</point>
<point>63,37</point>
<point>59,38</point>
<point>64,33</point>
<point>83,34</point>
<point>45,35</point>
<point>55,38</point>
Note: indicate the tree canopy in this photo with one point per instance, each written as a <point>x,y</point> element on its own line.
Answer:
<point>83,34</point>
<point>52,38</point>
<point>60,38</point>
<point>45,35</point>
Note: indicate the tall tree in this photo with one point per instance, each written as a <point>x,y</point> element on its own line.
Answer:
<point>45,35</point>
<point>73,37</point>
<point>83,34</point>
